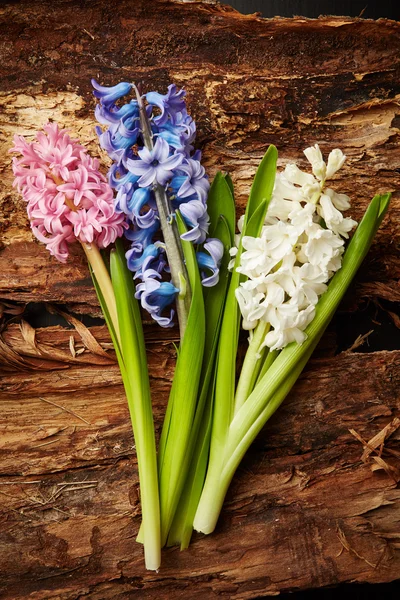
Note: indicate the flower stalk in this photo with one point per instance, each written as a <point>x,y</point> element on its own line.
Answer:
<point>103,279</point>
<point>251,365</point>
<point>173,246</point>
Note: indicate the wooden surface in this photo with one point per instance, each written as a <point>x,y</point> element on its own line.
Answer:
<point>304,510</point>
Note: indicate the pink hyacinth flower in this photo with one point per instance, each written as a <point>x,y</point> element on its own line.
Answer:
<point>67,197</point>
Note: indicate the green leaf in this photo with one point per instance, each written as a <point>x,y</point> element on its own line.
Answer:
<point>184,393</point>
<point>256,209</point>
<point>197,450</point>
<point>129,288</point>
<point>229,181</point>
<point>263,183</point>
<point>214,297</point>
<point>220,202</point>
<point>182,526</point>
<point>254,224</point>
<point>137,388</point>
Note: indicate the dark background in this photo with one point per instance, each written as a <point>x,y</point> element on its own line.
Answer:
<point>369,9</point>
<point>375,9</point>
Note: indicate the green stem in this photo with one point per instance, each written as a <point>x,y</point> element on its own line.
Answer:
<point>217,484</point>
<point>173,246</point>
<point>236,449</point>
<point>133,364</point>
<point>251,365</point>
<point>142,423</point>
<point>104,282</point>
<point>271,356</point>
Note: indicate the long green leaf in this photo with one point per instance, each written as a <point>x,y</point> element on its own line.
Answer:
<point>182,526</point>
<point>183,394</point>
<point>256,221</point>
<point>214,297</point>
<point>197,451</point>
<point>137,389</point>
<point>220,202</point>
<point>263,183</point>
<point>257,206</point>
<point>229,181</point>
<point>129,288</point>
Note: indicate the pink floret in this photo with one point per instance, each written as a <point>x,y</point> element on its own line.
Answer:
<point>67,197</point>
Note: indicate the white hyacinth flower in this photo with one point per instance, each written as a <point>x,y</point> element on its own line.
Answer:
<point>256,259</point>
<point>281,316</point>
<point>314,157</point>
<point>284,276</point>
<point>240,223</point>
<point>310,284</point>
<point>298,250</point>
<point>248,303</point>
<point>294,175</point>
<point>281,238</point>
<point>321,245</point>
<point>333,217</point>
<point>340,201</point>
<point>284,188</point>
<point>256,284</point>
<point>335,262</point>
<point>293,331</point>
<point>273,301</point>
<point>336,160</point>
<point>232,252</point>
<point>303,218</point>
<point>280,209</point>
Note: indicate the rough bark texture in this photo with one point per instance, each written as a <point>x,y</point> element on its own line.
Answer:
<point>304,510</point>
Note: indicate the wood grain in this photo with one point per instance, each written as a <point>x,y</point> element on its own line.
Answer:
<point>304,510</point>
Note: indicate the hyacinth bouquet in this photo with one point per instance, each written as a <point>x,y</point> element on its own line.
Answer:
<point>280,278</point>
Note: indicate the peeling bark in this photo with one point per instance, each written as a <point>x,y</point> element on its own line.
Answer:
<point>304,510</point>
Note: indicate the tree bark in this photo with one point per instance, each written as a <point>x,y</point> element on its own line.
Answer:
<point>304,510</point>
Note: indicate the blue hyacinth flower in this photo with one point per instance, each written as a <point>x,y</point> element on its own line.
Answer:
<point>196,217</point>
<point>169,104</point>
<point>154,166</point>
<point>210,261</point>
<point>169,162</point>
<point>108,95</point>
<point>135,257</point>
<point>155,296</point>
